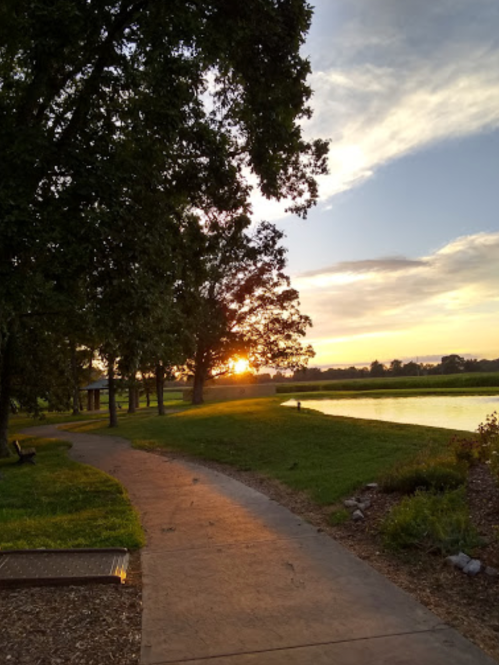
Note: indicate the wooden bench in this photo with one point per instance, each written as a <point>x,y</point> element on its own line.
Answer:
<point>24,455</point>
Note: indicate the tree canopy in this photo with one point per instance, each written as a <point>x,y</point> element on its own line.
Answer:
<point>244,304</point>
<point>119,118</point>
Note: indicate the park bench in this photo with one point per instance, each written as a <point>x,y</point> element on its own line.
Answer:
<point>24,455</point>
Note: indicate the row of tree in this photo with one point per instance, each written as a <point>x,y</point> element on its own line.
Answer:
<point>451,364</point>
<point>129,130</point>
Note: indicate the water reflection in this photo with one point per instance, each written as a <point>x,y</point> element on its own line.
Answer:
<point>463,412</point>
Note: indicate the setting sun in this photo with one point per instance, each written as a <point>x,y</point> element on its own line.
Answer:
<point>240,365</point>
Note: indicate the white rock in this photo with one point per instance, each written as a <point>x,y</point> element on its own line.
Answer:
<point>357,515</point>
<point>473,567</point>
<point>350,503</point>
<point>364,505</point>
<point>460,560</point>
<point>372,486</point>
<point>493,572</point>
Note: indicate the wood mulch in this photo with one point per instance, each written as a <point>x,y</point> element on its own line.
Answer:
<point>469,604</point>
<point>75,625</point>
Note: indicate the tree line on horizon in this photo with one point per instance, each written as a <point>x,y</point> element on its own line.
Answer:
<point>450,364</point>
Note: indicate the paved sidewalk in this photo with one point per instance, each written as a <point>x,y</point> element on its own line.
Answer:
<point>232,578</point>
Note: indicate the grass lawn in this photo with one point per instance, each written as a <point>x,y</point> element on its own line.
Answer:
<point>59,503</point>
<point>390,392</point>
<point>327,456</point>
<point>451,382</point>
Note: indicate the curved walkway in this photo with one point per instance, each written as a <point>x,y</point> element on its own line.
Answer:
<point>232,578</point>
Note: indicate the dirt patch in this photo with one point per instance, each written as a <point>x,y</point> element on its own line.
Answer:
<point>77,625</point>
<point>469,604</point>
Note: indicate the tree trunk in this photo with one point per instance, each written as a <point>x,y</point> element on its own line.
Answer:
<point>131,400</point>
<point>113,416</point>
<point>160,379</point>
<point>147,391</point>
<point>197,389</point>
<point>137,397</point>
<point>132,397</point>
<point>74,377</point>
<point>5,385</point>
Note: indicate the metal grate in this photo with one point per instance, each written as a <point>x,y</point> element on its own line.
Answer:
<point>64,567</point>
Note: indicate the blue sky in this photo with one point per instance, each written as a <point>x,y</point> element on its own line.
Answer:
<point>401,256</point>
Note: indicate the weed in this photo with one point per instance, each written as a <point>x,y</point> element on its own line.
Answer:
<point>432,522</point>
<point>338,517</point>
<point>481,447</point>
<point>438,474</point>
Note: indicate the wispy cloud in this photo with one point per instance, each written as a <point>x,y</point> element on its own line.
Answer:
<point>392,77</point>
<point>454,289</point>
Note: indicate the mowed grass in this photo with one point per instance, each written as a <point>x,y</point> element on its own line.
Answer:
<point>452,382</point>
<point>327,456</point>
<point>58,503</point>
<point>389,392</point>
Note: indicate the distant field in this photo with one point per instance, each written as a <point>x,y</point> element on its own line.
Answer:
<point>487,380</point>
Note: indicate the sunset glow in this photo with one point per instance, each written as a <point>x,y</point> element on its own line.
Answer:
<point>240,365</point>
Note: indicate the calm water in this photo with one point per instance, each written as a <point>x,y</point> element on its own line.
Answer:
<point>464,413</point>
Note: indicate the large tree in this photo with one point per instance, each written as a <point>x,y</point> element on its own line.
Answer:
<point>105,105</point>
<point>242,302</point>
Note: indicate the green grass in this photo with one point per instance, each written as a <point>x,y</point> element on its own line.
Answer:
<point>326,456</point>
<point>58,503</point>
<point>389,392</point>
<point>432,523</point>
<point>452,382</point>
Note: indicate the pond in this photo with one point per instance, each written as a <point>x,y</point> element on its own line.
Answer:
<point>455,412</point>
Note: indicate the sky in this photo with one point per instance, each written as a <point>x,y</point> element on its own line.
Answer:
<point>400,258</point>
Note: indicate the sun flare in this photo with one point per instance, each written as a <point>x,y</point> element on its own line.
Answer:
<point>240,365</point>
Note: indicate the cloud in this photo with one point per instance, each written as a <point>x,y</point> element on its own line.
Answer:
<point>391,78</point>
<point>368,265</point>
<point>456,287</point>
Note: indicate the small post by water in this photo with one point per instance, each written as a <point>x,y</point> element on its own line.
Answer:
<point>298,406</point>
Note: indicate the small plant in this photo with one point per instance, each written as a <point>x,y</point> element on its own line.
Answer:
<point>488,436</point>
<point>431,522</point>
<point>466,449</point>
<point>338,517</point>
<point>437,474</point>
<point>482,447</point>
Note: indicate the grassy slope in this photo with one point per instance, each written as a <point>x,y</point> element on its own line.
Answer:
<point>60,503</point>
<point>324,455</point>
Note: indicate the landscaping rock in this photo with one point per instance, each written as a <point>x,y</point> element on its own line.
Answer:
<point>372,486</point>
<point>492,572</point>
<point>364,505</point>
<point>460,560</point>
<point>357,515</point>
<point>350,503</point>
<point>473,567</point>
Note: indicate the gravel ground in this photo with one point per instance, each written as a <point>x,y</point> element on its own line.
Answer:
<point>96,624</point>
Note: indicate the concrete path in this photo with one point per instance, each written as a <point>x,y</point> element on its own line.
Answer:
<point>232,578</point>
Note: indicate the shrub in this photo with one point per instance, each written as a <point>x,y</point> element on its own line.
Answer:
<point>338,517</point>
<point>481,447</point>
<point>432,522</point>
<point>488,436</point>
<point>437,474</point>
